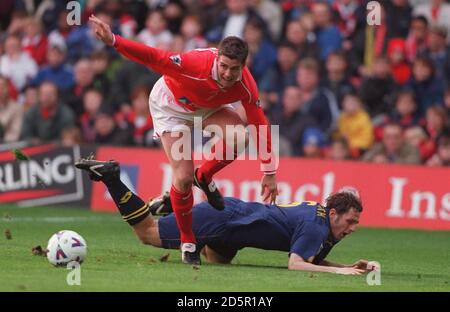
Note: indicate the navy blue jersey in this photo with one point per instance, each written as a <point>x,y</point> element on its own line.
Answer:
<point>300,228</point>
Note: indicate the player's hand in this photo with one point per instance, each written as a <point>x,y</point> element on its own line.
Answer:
<point>102,30</point>
<point>349,271</point>
<point>269,188</point>
<point>365,265</point>
<point>360,264</point>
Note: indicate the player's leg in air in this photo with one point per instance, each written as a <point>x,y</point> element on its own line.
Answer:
<point>232,144</point>
<point>133,209</point>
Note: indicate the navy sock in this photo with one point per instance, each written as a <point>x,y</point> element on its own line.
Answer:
<point>132,208</point>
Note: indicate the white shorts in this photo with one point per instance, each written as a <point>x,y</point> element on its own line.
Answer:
<point>168,116</point>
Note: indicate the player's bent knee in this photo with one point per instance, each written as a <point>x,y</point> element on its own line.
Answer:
<point>147,232</point>
<point>184,182</point>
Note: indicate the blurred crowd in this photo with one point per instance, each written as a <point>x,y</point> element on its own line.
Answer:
<point>338,87</point>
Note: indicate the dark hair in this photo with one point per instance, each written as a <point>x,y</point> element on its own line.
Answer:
<point>343,201</point>
<point>427,62</point>
<point>310,64</point>
<point>420,18</point>
<point>234,48</point>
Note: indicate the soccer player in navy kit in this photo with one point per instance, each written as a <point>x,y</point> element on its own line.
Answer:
<point>307,230</point>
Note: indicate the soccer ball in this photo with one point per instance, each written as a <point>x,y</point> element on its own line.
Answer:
<point>66,246</point>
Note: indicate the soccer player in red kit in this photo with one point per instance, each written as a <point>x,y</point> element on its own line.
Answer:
<point>199,83</point>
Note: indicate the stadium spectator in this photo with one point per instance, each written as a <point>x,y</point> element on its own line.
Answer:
<point>416,136</point>
<point>313,143</point>
<point>35,41</point>
<point>393,148</point>
<point>281,75</point>
<point>354,124</point>
<point>6,12</point>
<point>155,33</point>
<point>336,79</point>
<point>107,132</point>
<point>100,63</point>
<point>81,41</point>
<point>232,20</point>
<point>329,39</point>
<point>308,23</point>
<point>45,120</point>
<point>297,34</point>
<point>191,31</point>
<point>294,10</point>
<point>92,103</point>
<point>192,78</point>
<point>125,18</point>
<point>11,114</point>
<point>47,11</point>
<point>138,120</point>
<point>56,71</point>
<point>128,76</point>
<point>437,12</point>
<point>437,122</point>
<point>71,137</point>
<point>437,52</point>
<point>58,35</point>
<point>319,103</point>
<point>174,11</point>
<point>417,39</point>
<point>442,156</point>
<point>399,14</point>
<point>396,53</point>
<point>30,97</point>
<point>291,120</point>
<point>405,111</point>
<point>301,230</point>
<point>262,53</point>
<point>428,89</point>
<point>345,12</point>
<point>17,65</point>
<point>84,79</point>
<point>271,12</point>
<point>376,88</point>
<point>368,44</point>
<point>447,100</point>
<point>339,150</point>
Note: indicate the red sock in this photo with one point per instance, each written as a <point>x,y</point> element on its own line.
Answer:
<point>182,207</point>
<point>211,167</point>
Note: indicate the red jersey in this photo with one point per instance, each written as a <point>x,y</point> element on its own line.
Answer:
<point>192,78</point>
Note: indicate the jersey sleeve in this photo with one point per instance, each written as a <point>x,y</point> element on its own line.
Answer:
<point>261,132</point>
<point>307,240</point>
<point>161,61</point>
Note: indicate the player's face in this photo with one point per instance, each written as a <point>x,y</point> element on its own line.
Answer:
<point>229,71</point>
<point>344,224</point>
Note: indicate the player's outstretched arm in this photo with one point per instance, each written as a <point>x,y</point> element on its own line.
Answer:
<point>362,264</point>
<point>297,263</point>
<point>102,30</point>
<point>157,59</point>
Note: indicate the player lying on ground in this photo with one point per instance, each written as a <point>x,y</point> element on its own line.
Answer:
<point>306,230</point>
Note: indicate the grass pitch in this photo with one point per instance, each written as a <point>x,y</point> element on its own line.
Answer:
<point>410,260</point>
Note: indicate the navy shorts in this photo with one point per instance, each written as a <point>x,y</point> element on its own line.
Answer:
<point>209,226</point>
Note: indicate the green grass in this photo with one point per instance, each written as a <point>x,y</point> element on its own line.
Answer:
<point>410,260</point>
